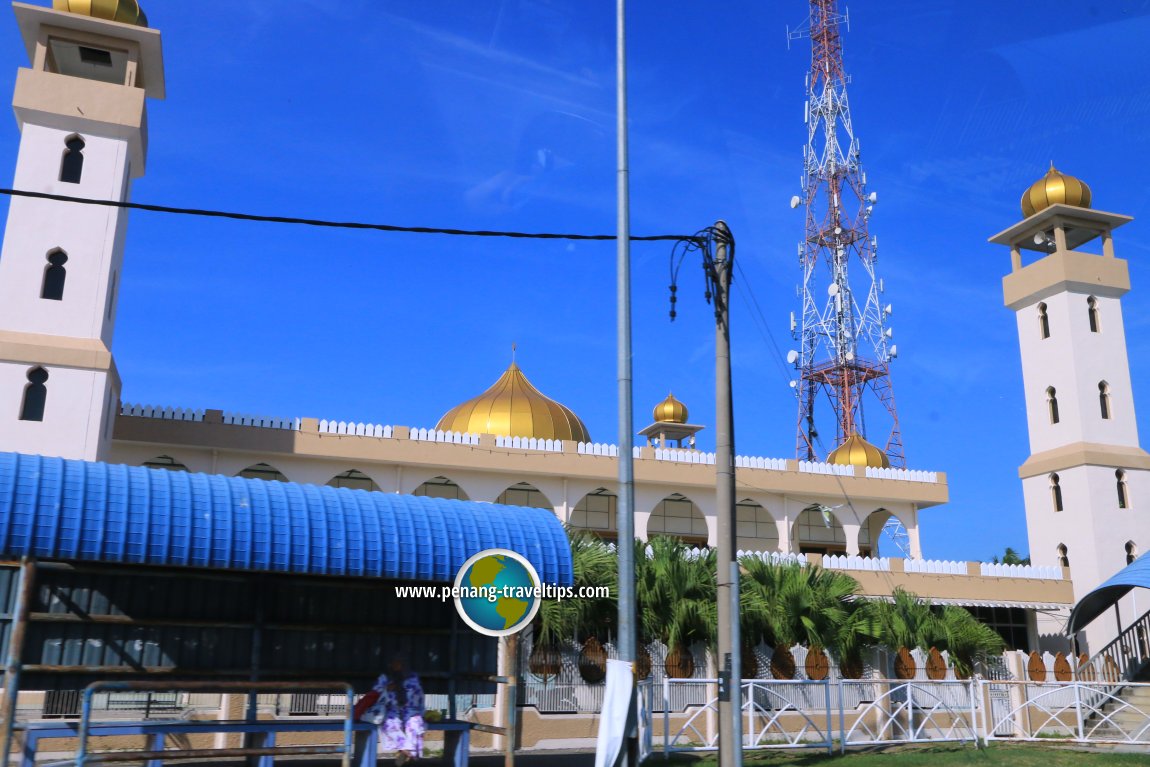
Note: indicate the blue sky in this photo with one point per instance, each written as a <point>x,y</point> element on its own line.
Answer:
<point>437,113</point>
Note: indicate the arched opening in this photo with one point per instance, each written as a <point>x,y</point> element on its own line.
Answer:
<point>1120,480</point>
<point>596,512</point>
<point>523,494</point>
<point>441,487</point>
<point>165,462</point>
<point>55,274</point>
<point>1043,322</point>
<point>1104,398</point>
<point>755,528</point>
<point>35,396</point>
<point>883,535</point>
<point>1092,310</point>
<point>72,166</point>
<point>1131,552</point>
<point>1063,555</point>
<point>1055,492</point>
<point>354,480</point>
<point>1052,403</point>
<point>818,532</point>
<point>678,516</point>
<point>263,471</point>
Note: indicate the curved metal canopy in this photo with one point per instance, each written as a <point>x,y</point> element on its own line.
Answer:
<point>1133,576</point>
<point>52,508</point>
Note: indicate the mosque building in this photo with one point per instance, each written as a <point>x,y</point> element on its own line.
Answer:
<point>512,444</point>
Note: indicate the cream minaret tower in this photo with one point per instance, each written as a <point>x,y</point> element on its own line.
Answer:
<point>1086,484</point>
<point>83,123</point>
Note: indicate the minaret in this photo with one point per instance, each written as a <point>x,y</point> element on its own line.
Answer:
<point>83,124</point>
<point>1086,484</point>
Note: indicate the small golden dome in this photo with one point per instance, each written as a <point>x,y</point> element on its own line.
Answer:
<point>512,407</point>
<point>125,11</point>
<point>856,451</point>
<point>1052,189</point>
<point>670,410</point>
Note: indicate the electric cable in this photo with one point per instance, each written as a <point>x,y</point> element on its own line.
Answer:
<point>338,224</point>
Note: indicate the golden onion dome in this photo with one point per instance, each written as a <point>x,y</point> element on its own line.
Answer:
<point>1052,189</point>
<point>125,11</point>
<point>512,407</point>
<point>856,451</point>
<point>670,410</point>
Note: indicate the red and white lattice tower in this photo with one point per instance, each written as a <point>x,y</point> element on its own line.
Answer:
<point>846,346</point>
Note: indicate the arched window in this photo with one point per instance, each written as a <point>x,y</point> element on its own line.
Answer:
<point>1063,555</point>
<point>72,168</point>
<point>1056,492</point>
<point>1120,477</point>
<point>1104,398</point>
<point>1043,322</point>
<point>35,395</point>
<point>1052,403</point>
<point>54,276</point>
<point>1131,552</point>
<point>1092,310</point>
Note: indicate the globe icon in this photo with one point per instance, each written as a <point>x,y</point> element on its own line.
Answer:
<point>497,592</point>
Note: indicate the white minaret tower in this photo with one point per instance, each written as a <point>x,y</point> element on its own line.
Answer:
<point>83,123</point>
<point>1087,482</point>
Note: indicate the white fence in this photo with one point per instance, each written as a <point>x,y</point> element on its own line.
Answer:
<point>934,567</point>
<point>815,467</point>
<point>261,421</point>
<point>684,456</point>
<point>1080,712</point>
<point>845,562</point>
<point>162,413</point>
<point>752,462</point>
<point>905,475</point>
<point>1021,571</point>
<point>447,437</point>
<point>525,443</point>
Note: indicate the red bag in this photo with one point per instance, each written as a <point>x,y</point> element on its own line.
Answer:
<point>366,702</point>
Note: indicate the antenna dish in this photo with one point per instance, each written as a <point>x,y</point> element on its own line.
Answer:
<point>1040,238</point>
<point>796,201</point>
<point>873,197</point>
<point>792,356</point>
<point>832,289</point>
<point>890,332</point>
<point>889,309</point>
<point>794,384</point>
<point>850,356</point>
<point>894,351</point>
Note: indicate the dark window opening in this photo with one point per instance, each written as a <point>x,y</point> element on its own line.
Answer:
<point>1092,309</point>
<point>1043,321</point>
<point>54,276</point>
<point>1131,552</point>
<point>1052,404</point>
<point>1120,476</point>
<point>1104,399</point>
<point>72,169</point>
<point>1056,492</point>
<point>95,56</point>
<point>1063,555</point>
<point>35,396</point>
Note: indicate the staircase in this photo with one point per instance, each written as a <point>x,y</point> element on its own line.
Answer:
<point>1126,715</point>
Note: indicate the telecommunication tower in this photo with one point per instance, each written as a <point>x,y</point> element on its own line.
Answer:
<point>846,346</point>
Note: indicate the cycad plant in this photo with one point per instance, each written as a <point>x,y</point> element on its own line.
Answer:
<point>675,591</point>
<point>909,621</point>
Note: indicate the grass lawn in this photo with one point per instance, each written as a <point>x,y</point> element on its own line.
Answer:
<point>999,756</point>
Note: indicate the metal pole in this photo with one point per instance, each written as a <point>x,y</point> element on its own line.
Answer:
<point>625,523</point>
<point>16,651</point>
<point>730,661</point>
<point>512,702</point>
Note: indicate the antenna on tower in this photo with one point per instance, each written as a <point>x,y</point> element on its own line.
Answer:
<point>846,350</point>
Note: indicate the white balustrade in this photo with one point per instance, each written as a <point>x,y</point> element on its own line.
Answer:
<point>906,475</point>
<point>355,429</point>
<point>753,462</point>
<point>845,562</point>
<point>934,567</point>
<point>1021,571</point>
<point>596,448</point>
<point>161,413</point>
<point>530,443</point>
<point>262,422</point>
<point>816,467</point>
<point>684,456</point>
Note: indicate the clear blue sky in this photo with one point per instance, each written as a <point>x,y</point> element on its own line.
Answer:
<point>437,113</point>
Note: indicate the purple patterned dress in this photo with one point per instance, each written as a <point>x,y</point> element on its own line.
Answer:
<point>399,712</point>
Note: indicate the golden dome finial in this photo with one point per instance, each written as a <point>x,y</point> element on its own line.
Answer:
<point>856,451</point>
<point>124,11</point>
<point>670,410</point>
<point>512,407</point>
<point>1055,188</point>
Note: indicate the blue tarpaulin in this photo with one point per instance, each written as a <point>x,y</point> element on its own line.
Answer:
<point>56,509</point>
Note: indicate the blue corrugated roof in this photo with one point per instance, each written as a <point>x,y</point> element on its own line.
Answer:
<point>52,508</point>
<point>1134,575</point>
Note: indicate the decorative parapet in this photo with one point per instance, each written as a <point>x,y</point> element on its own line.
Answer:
<point>684,456</point>
<point>263,422</point>
<point>447,437</point>
<point>935,567</point>
<point>775,557</point>
<point>1021,571</point>
<point>906,475</point>
<point>525,443</point>
<point>752,462</point>
<point>818,467</point>
<point>596,448</point>
<point>162,413</point>
<point>845,562</point>
<point>355,429</point>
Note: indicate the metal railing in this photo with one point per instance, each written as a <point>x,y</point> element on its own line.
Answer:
<point>1082,712</point>
<point>1124,658</point>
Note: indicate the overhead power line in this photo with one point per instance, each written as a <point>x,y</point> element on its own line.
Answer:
<point>337,224</point>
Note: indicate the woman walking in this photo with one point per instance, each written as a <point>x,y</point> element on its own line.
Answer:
<point>398,711</point>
